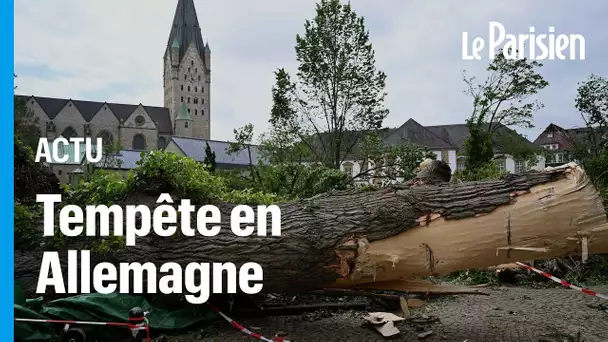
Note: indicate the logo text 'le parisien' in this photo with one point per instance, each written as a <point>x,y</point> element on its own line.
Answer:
<point>532,45</point>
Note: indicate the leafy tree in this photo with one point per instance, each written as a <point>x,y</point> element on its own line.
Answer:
<point>400,160</point>
<point>407,158</point>
<point>209,158</point>
<point>592,103</point>
<point>597,168</point>
<point>503,99</point>
<point>592,100</point>
<point>338,93</point>
<point>478,146</point>
<point>278,148</point>
<point>243,139</point>
<point>372,155</point>
<point>590,146</point>
<point>283,144</point>
<point>287,175</point>
<point>287,158</point>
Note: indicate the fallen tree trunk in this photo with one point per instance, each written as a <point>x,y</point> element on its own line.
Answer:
<point>350,238</point>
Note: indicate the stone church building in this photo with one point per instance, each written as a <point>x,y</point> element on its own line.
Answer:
<point>186,112</point>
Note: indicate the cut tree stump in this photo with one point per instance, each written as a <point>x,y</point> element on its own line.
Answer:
<point>357,238</point>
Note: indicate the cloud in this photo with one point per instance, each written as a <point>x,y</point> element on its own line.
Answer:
<point>112,50</point>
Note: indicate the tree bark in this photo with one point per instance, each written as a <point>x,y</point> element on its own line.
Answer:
<point>351,238</point>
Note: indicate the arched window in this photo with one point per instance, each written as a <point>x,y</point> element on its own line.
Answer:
<point>161,143</point>
<point>139,142</point>
<point>69,132</point>
<point>106,137</point>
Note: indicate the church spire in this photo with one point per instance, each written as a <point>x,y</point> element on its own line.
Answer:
<point>185,29</point>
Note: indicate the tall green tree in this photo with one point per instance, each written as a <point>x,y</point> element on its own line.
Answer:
<point>243,137</point>
<point>590,146</point>
<point>592,103</point>
<point>210,158</point>
<point>282,143</point>
<point>338,93</point>
<point>478,147</point>
<point>505,98</point>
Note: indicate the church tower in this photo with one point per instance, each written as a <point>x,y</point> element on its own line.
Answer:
<point>187,74</point>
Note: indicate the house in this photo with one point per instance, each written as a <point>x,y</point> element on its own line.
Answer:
<point>412,132</point>
<point>415,133</point>
<point>558,143</point>
<point>504,140</point>
<point>447,141</point>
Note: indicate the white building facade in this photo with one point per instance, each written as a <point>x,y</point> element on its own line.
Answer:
<point>445,142</point>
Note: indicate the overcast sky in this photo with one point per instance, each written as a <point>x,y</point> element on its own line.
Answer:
<point>111,50</point>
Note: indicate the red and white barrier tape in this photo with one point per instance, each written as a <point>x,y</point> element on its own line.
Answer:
<point>146,327</point>
<point>245,330</point>
<point>115,324</point>
<point>563,282</point>
<point>133,327</point>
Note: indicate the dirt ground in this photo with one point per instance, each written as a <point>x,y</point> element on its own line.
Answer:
<point>508,314</point>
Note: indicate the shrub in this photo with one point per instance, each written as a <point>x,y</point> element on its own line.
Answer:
<point>31,178</point>
<point>159,172</point>
<point>597,169</point>
<point>488,171</point>
<point>25,220</point>
<point>104,187</point>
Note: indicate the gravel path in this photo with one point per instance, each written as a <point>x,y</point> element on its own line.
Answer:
<point>508,314</point>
